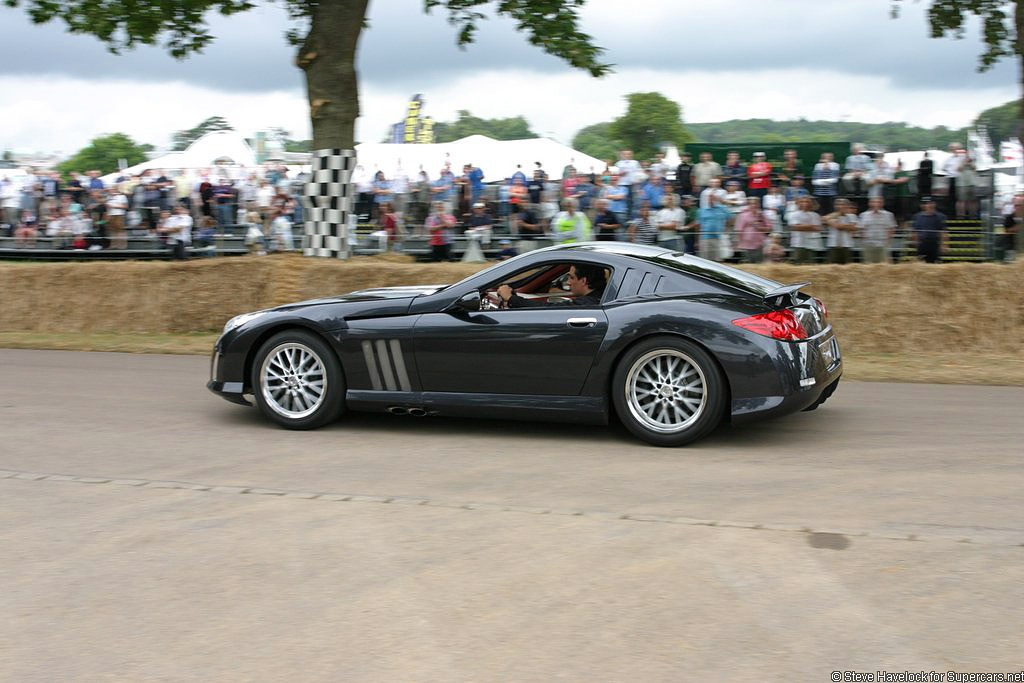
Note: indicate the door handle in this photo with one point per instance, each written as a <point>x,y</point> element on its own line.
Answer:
<point>581,322</point>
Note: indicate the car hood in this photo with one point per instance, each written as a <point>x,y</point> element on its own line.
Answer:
<point>374,294</point>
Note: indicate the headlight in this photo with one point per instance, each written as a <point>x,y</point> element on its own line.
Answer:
<point>241,320</point>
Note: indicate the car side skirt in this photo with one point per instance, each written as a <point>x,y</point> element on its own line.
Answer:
<point>579,409</point>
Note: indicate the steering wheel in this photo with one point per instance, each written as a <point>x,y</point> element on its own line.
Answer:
<point>491,302</point>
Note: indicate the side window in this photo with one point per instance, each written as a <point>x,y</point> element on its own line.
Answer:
<point>677,283</point>
<point>549,284</point>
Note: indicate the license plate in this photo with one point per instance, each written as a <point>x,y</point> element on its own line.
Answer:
<point>829,352</point>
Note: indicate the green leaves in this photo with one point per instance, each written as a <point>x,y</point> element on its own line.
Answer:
<point>650,121</point>
<point>947,17</point>
<point>102,154</point>
<point>513,128</point>
<point>183,138</point>
<point>598,141</point>
<point>123,24</point>
<point>552,25</point>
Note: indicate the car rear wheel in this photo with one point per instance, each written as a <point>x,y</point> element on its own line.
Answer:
<point>297,381</point>
<point>668,391</point>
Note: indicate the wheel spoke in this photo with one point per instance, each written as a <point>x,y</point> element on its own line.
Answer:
<point>666,390</point>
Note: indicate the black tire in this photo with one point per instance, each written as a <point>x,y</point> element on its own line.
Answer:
<point>668,413</point>
<point>292,402</point>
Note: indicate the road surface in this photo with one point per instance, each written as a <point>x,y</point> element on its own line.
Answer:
<point>155,532</point>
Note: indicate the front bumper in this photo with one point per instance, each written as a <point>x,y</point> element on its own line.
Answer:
<point>228,390</point>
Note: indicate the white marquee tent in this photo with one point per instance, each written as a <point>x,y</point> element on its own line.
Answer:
<point>226,149</point>
<point>498,159</point>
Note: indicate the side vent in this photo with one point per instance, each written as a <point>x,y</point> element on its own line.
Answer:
<point>385,363</point>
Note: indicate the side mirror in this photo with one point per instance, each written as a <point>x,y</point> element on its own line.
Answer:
<point>468,302</point>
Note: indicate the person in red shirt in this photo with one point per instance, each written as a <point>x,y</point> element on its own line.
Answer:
<point>759,175</point>
<point>389,223</point>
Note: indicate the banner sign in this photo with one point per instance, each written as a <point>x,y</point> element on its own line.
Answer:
<point>412,118</point>
<point>426,132</point>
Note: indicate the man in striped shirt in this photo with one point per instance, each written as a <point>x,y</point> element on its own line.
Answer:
<point>824,179</point>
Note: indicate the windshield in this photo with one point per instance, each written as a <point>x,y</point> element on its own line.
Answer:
<point>485,270</point>
<point>719,272</point>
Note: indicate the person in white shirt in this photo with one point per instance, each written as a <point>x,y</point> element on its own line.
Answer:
<point>10,200</point>
<point>659,167</point>
<point>247,190</point>
<point>399,191</point>
<point>951,167</point>
<point>876,229</point>
<point>735,200</point>
<point>881,176</point>
<point>714,188</point>
<point>774,205</point>
<point>117,205</point>
<point>62,228</point>
<point>669,220</point>
<point>281,233</point>
<point>842,225</point>
<point>547,209</point>
<point>628,168</point>
<point>178,229</point>
<point>805,231</point>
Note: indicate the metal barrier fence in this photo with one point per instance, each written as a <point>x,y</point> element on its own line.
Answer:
<point>968,241</point>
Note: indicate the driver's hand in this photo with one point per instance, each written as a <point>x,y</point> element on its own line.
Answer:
<point>505,292</point>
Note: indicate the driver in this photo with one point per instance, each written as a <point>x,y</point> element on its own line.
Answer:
<point>586,283</point>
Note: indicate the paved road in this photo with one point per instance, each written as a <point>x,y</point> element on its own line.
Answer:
<point>509,551</point>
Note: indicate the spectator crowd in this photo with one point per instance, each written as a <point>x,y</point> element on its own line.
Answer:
<point>177,208</point>
<point>751,210</point>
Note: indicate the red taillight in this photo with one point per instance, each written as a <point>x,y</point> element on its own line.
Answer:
<point>777,325</point>
<point>821,305</point>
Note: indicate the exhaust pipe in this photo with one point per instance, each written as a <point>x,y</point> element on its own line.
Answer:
<point>398,410</point>
<point>417,412</point>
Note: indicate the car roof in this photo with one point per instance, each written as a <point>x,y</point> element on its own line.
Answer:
<point>620,248</point>
<point>673,261</point>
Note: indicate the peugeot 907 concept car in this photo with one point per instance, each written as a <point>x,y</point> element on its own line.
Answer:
<point>671,344</point>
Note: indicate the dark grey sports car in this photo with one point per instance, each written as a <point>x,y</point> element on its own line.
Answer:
<point>670,343</point>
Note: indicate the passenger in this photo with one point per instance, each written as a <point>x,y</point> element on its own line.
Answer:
<point>586,284</point>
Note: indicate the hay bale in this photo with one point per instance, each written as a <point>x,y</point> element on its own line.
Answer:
<point>896,308</point>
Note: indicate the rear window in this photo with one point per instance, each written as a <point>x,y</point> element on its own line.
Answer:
<point>717,272</point>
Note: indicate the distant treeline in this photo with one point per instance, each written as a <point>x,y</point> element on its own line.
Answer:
<point>1001,122</point>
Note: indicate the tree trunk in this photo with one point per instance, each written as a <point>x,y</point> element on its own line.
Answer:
<point>328,59</point>
<point>1019,17</point>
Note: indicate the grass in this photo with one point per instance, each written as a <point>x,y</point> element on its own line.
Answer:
<point>937,368</point>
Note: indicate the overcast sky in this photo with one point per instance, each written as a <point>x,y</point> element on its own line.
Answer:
<point>781,59</point>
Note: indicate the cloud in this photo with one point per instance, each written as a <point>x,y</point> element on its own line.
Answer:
<point>405,48</point>
<point>778,59</point>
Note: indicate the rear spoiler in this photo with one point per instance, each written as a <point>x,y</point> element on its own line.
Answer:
<point>783,296</point>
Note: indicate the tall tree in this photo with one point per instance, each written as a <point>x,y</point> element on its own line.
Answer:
<point>598,141</point>
<point>512,128</point>
<point>650,121</point>
<point>103,153</point>
<point>1001,122</point>
<point>183,138</point>
<point>326,35</point>
<point>1002,23</point>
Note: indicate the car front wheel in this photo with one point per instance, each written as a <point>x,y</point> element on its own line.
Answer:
<point>297,381</point>
<point>668,391</point>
